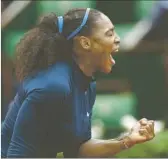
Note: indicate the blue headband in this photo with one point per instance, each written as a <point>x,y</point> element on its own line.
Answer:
<point>60,24</point>
<point>75,32</point>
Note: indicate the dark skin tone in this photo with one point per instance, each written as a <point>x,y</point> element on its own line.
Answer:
<point>143,131</point>
<point>94,53</point>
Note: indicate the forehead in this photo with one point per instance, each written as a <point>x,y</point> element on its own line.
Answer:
<point>102,24</point>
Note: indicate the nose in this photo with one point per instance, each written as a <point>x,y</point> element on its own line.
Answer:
<point>117,41</point>
<point>117,38</point>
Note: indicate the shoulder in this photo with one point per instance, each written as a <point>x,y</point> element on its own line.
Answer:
<point>54,81</point>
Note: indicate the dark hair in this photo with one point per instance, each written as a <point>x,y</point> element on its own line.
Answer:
<point>43,45</point>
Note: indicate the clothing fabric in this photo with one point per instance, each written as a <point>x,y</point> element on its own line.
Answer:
<point>51,113</point>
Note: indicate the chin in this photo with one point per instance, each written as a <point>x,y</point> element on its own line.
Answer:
<point>107,70</point>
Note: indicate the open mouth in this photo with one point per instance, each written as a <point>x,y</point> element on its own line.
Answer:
<point>111,59</point>
<point>111,55</point>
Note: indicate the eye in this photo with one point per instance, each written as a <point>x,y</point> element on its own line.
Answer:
<point>110,32</point>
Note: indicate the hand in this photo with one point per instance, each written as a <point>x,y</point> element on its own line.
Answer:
<point>142,131</point>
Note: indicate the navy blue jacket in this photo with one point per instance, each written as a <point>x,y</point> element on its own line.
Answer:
<point>51,113</point>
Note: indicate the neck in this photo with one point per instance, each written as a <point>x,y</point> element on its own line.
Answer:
<point>85,66</point>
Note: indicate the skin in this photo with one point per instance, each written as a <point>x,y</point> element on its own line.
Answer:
<point>142,131</point>
<point>92,53</point>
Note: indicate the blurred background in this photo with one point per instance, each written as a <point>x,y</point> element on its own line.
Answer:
<point>138,85</point>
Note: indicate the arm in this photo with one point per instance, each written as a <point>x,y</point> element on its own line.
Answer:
<point>30,126</point>
<point>107,148</point>
<point>23,141</point>
<point>104,148</point>
<point>29,133</point>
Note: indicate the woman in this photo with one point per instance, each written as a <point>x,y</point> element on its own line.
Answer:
<point>55,64</point>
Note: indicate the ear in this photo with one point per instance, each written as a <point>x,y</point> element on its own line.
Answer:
<point>85,42</point>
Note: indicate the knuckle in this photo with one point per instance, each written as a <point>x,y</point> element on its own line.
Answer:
<point>147,126</point>
<point>150,123</point>
<point>143,119</point>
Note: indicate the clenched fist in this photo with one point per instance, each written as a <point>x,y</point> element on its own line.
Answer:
<point>142,131</point>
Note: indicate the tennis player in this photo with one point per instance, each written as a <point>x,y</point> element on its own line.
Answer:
<point>55,64</point>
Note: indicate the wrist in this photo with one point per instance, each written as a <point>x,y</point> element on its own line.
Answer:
<point>122,136</point>
<point>127,142</point>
